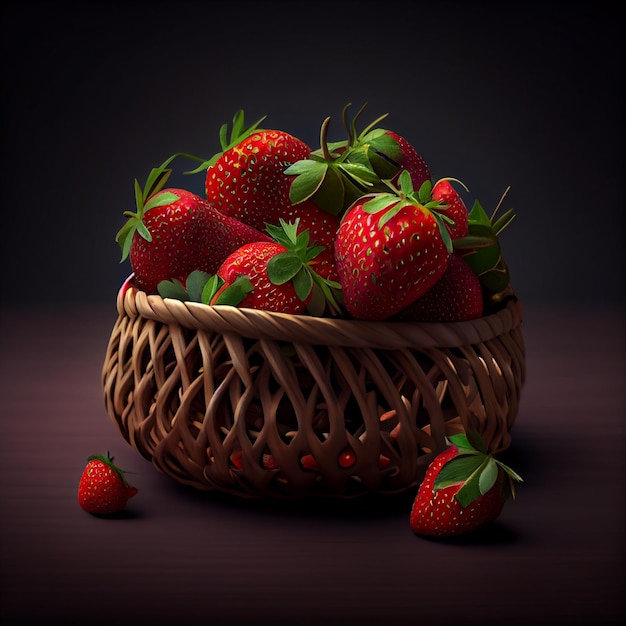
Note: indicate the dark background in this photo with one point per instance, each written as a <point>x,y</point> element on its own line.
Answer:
<point>94,94</point>
<point>521,94</point>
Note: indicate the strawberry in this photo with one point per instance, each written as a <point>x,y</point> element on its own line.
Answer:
<point>456,296</point>
<point>408,159</point>
<point>251,260</point>
<point>339,173</point>
<point>103,488</point>
<point>248,181</point>
<point>174,232</point>
<point>482,250</point>
<point>391,248</point>
<point>464,488</point>
<point>281,273</point>
<point>456,210</point>
<point>333,177</point>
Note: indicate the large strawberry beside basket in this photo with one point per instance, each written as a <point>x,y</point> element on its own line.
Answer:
<point>354,390</point>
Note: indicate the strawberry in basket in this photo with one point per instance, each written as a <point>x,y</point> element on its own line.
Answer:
<point>455,297</point>
<point>391,248</point>
<point>174,232</point>
<point>283,273</point>
<point>464,489</point>
<point>339,173</point>
<point>247,181</point>
<point>482,251</point>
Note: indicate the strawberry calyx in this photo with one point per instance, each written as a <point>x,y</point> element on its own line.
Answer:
<point>474,469</point>
<point>297,264</point>
<point>383,151</point>
<point>238,133</point>
<point>481,248</point>
<point>108,460</point>
<point>389,204</point>
<point>206,289</point>
<point>339,173</point>
<point>335,175</point>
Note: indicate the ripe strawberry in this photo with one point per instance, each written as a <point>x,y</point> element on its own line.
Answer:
<point>251,260</point>
<point>456,210</point>
<point>464,488</point>
<point>322,228</point>
<point>175,232</point>
<point>281,273</point>
<point>456,296</point>
<point>390,250</point>
<point>248,180</point>
<point>334,176</point>
<point>339,173</point>
<point>405,158</point>
<point>103,488</point>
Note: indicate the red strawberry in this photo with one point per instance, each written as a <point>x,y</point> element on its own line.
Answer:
<point>251,260</point>
<point>407,159</point>
<point>464,488</point>
<point>456,296</point>
<point>103,488</point>
<point>322,227</point>
<point>390,250</point>
<point>281,273</point>
<point>334,176</point>
<point>248,180</point>
<point>338,174</point>
<point>456,210</point>
<point>175,232</point>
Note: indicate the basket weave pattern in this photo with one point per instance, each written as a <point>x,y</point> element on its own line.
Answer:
<point>265,404</point>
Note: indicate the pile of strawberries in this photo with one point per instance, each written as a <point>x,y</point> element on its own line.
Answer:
<point>356,229</point>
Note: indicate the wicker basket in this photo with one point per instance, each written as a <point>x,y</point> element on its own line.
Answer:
<point>265,404</point>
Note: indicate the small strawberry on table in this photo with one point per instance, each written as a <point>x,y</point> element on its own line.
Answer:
<point>103,488</point>
<point>464,489</point>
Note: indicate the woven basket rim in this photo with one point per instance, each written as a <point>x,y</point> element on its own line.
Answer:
<point>305,329</point>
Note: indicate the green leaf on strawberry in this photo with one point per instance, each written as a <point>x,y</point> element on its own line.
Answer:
<point>195,284</point>
<point>481,248</point>
<point>334,176</point>
<point>206,289</point>
<point>295,265</point>
<point>237,134</point>
<point>474,468</point>
<point>231,294</point>
<point>390,204</point>
<point>173,289</point>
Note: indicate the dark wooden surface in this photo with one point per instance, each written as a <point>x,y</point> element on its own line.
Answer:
<point>556,555</point>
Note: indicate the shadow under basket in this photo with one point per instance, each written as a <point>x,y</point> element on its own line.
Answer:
<point>263,404</point>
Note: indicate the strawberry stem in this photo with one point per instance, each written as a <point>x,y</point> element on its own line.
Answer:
<point>323,140</point>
